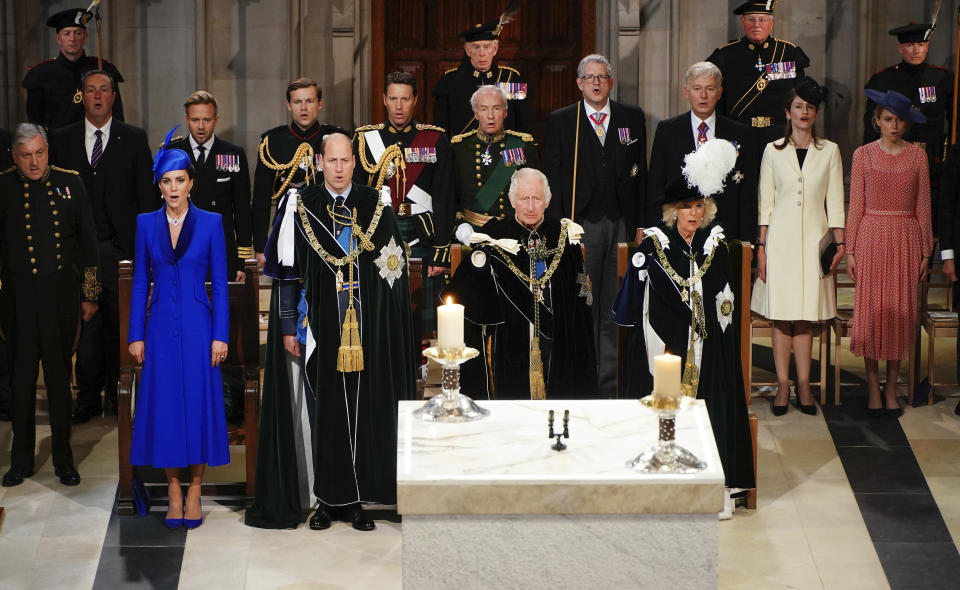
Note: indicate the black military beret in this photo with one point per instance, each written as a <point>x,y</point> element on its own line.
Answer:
<point>912,33</point>
<point>756,7</point>
<point>74,17</point>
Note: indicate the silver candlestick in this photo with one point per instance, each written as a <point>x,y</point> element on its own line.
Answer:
<point>450,405</point>
<point>666,456</point>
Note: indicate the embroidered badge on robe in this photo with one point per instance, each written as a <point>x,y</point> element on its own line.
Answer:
<point>725,307</point>
<point>390,262</point>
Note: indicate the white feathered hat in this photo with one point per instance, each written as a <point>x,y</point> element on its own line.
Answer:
<point>706,169</point>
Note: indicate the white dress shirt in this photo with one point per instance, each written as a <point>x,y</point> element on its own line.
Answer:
<point>606,121</point>
<point>207,146</point>
<point>711,122</point>
<point>90,136</point>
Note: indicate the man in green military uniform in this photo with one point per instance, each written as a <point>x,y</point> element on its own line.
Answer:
<point>484,161</point>
<point>288,155</point>
<point>410,164</point>
<point>48,268</point>
<point>758,70</point>
<point>929,88</point>
<point>451,108</point>
<point>54,95</point>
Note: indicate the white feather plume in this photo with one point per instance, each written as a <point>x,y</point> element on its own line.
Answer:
<point>707,168</point>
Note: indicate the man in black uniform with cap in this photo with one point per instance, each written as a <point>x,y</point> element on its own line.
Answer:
<point>289,155</point>
<point>451,107</point>
<point>48,255</point>
<point>930,89</point>
<point>221,178</point>
<point>758,70</point>
<point>54,87</point>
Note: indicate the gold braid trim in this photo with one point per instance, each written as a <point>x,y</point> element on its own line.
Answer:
<point>304,151</point>
<point>89,285</point>
<point>366,245</point>
<point>393,154</point>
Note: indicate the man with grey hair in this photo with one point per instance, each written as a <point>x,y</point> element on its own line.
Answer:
<point>532,302</point>
<point>597,165</point>
<point>484,160</point>
<point>48,266</point>
<point>678,136</point>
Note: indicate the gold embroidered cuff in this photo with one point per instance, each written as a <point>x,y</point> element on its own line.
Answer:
<point>89,285</point>
<point>244,252</point>
<point>760,122</point>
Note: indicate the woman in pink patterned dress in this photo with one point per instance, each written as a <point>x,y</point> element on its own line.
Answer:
<point>889,241</point>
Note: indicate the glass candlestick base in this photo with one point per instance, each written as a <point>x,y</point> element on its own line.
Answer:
<point>666,456</point>
<point>450,405</point>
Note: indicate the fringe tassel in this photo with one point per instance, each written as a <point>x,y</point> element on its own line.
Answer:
<point>350,354</point>
<point>538,389</point>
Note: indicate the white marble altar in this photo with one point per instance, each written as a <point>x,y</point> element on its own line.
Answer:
<point>489,504</point>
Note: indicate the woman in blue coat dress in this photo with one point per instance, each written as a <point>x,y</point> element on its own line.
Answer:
<point>179,419</point>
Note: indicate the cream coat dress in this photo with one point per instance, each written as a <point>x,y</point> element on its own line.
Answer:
<point>800,206</point>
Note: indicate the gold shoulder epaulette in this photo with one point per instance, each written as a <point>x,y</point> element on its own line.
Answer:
<point>462,136</point>
<point>734,42</point>
<point>172,139</point>
<point>509,68</point>
<point>450,70</point>
<point>524,136</point>
<point>426,127</point>
<point>377,126</point>
<point>785,42</point>
<point>59,169</point>
<point>8,170</point>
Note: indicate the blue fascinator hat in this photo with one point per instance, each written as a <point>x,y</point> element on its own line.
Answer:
<point>167,159</point>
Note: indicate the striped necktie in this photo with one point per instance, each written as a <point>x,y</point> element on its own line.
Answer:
<point>97,149</point>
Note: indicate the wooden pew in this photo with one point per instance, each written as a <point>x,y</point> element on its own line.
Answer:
<point>244,355</point>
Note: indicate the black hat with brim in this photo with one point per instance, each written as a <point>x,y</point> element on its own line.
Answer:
<point>481,32</point>
<point>73,17</point>
<point>756,7</point>
<point>897,104</point>
<point>912,33</point>
<point>678,191</point>
<point>810,91</point>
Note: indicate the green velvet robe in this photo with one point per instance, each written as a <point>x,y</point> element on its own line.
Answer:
<point>355,423</point>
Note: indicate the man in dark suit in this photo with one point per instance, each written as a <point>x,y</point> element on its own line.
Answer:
<point>114,162</point>
<point>680,135</point>
<point>221,178</point>
<point>596,161</point>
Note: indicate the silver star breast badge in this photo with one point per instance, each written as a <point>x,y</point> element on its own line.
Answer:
<point>737,176</point>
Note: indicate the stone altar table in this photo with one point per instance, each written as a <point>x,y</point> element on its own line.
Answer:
<point>489,505</point>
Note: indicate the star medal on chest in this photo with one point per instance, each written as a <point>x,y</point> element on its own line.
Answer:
<point>486,159</point>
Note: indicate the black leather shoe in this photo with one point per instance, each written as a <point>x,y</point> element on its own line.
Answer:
<point>15,477</point>
<point>358,518</point>
<point>68,475</point>
<point>320,519</point>
<point>778,410</point>
<point>810,410</point>
<point>83,414</point>
<point>5,415</point>
<point>893,412</point>
<point>875,412</point>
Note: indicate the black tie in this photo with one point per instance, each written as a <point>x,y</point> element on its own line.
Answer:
<point>340,211</point>
<point>201,159</point>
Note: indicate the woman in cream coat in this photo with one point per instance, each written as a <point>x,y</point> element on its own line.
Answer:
<point>801,202</point>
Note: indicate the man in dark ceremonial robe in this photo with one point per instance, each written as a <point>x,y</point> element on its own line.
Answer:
<point>678,292</point>
<point>343,246</point>
<point>524,288</point>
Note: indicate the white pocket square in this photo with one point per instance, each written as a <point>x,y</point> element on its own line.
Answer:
<point>227,179</point>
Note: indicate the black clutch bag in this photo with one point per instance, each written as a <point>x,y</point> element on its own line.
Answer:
<point>826,257</point>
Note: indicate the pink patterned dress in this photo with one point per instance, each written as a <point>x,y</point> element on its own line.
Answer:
<point>888,232</point>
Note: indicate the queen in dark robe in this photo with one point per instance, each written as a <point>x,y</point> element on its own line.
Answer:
<point>679,293</point>
<point>527,302</point>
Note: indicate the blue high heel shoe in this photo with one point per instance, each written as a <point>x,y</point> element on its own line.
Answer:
<point>192,523</point>
<point>174,523</point>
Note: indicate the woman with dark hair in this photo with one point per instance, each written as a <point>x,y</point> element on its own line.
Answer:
<point>891,238</point>
<point>801,212</point>
<point>179,419</point>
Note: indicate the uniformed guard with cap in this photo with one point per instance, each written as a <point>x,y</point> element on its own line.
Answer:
<point>758,70</point>
<point>451,107</point>
<point>54,93</point>
<point>49,260</point>
<point>930,90</point>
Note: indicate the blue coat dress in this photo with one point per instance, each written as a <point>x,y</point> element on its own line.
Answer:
<point>179,417</point>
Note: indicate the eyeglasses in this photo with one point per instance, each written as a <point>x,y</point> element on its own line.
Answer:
<point>757,20</point>
<point>590,79</point>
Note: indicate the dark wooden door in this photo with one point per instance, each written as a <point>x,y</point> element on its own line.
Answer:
<point>545,43</point>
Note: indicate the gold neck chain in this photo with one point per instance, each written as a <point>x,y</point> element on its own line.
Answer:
<point>356,231</point>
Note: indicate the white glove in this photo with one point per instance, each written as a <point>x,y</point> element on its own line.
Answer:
<point>463,233</point>
<point>385,196</point>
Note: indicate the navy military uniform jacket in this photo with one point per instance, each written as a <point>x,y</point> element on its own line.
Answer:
<point>55,94</point>
<point>479,160</point>
<point>419,174</point>
<point>451,106</point>
<point>277,148</point>
<point>222,185</point>
<point>756,77</point>
<point>930,89</point>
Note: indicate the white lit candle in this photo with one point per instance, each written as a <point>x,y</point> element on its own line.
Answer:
<point>666,375</point>
<point>450,325</point>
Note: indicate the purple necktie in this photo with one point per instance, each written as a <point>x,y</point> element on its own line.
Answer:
<point>702,133</point>
<point>97,149</point>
